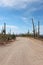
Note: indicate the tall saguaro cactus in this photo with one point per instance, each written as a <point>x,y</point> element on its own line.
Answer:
<point>38,28</point>
<point>33,28</point>
<point>4,31</point>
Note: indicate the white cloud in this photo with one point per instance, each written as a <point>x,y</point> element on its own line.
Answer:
<point>25,19</point>
<point>13,3</point>
<point>8,27</point>
<point>16,3</point>
<point>12,26</point>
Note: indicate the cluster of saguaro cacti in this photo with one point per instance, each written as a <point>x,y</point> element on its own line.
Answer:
<point>34,34</point>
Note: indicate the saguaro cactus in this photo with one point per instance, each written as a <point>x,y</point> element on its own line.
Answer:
<point>4,30</point>
<point>33,28</point>
<point>38,28</point>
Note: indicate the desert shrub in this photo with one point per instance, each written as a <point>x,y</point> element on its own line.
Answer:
<point>6,37</point>
<point>13,36</point>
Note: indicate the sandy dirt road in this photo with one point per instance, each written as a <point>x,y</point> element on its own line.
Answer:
<point>23,51</point>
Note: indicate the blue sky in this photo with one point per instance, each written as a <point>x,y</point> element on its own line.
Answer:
<point>18,14</point>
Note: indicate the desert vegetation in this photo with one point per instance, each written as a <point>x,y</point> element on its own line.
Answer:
<point>5,38</point>
<point>35,34</point>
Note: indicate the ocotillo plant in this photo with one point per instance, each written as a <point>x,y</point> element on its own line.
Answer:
<point>33,28</point>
